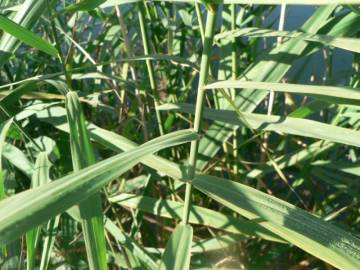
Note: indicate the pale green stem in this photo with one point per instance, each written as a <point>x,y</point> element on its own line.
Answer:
<point>150,68</point>
<point>200,21</point>
<point>204,68</point>
<point>279,41</point>
<point>272,93</point>
<point>234,65</point>
<point>202,34</point>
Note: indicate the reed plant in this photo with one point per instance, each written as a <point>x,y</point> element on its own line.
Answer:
<point>179,134</point>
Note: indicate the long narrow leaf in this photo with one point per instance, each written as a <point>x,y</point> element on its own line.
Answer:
<point>350,44</point>
<point>26,36</point>
<point>30,208</point>
<point>39,178</point>
<point>198,215</point>
<point>290,125</point>
<point>319,238</point>
<point>330,91</point>
<point>90,209</point>
<point>177,252</point>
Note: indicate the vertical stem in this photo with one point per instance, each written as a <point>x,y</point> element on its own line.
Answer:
<point>233,44</point>
<point>204,68</point>
<point>172,20</point>
<point>234,65</point>
<point>130,53</point>
<point>272,93</point>
<point>279,41</point>
<point>150,68</point>
<point>200,21</point>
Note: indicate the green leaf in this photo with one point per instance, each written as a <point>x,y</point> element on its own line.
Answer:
<point>319,238</point>
<point>350,44</point>
<point>28,209</point>
<point>39,178</point>
<point>83,156</point>
<point>15,156</point>
<point>84,5</point>
<point>198,215</point>
<point>290,125</point>
<point>26,36</point>
<point>346,93</point>
<point>110,3</point>
<point>270,70</point>
<point>4,130</point>
<point>48,242</point>
<point>27,15</point>
<point>130,244</point>
<point>56,116</point>
<point>177,252</point>
<point>291,159</point>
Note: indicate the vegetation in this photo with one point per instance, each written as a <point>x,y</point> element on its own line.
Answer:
<point>179,135</point>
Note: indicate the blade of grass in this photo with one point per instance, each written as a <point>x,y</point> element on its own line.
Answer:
<point>83,156</point>
<point>319,238</point>
<point>56,116</point>
<point>198,215</point>
<point>249,2</point>
<point>28,209</point>
<point>26,36</point>
<point>346,93</point>
<point>177,252</point>
<point>136,249</point>
<point>350,44</point>
<point>39,178</point>
<point>27,15</point>
<point>4,130</point>
<point>84,5</point>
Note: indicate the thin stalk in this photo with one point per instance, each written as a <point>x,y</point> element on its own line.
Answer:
<point>172,20</point>
<point>234,65</point>
<point>204,68</point>
<point>272,93</point>
<point>202,34</point>
<point>279,41</point>
<point>200,21</point>
<point>58,46</point>
<point>130,54</point>
<point>150,68</point>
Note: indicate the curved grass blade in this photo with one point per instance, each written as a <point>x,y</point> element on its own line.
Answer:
<point>26,36</point>
<point>346,93</point>
<point>198,215</point>
<point>27,15</point>
<point>56,116</point>
<point>291,159</point>
<point>18,159</point>
<point>290,125</point>
<point>28,209</point>
<point>319,238</point>
<point>84,5</point>
<point>177,252</point>
<point>350,44</point>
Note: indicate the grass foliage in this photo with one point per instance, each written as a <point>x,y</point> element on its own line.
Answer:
<point>179,135</point>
